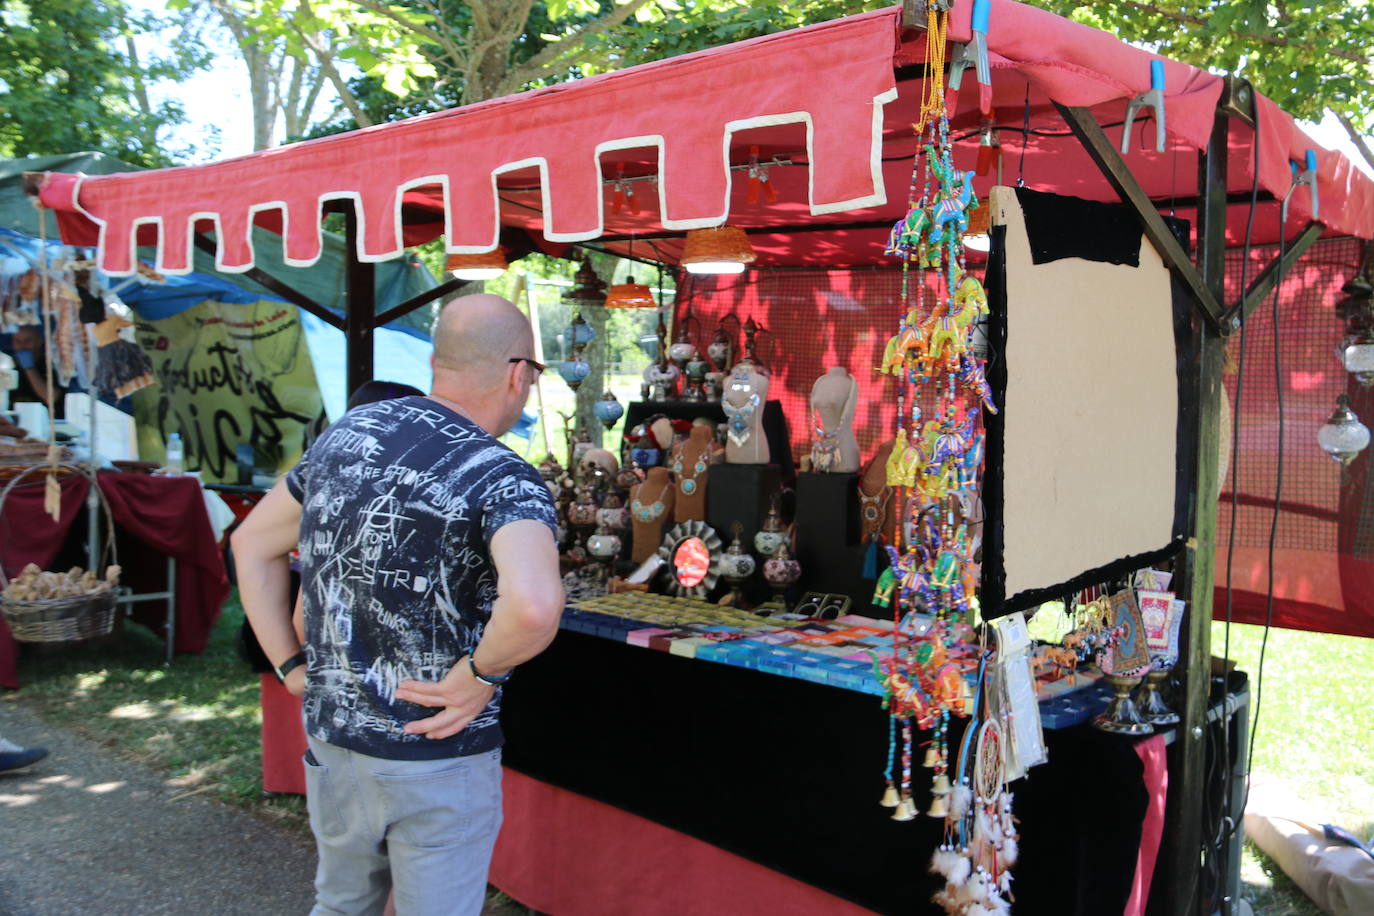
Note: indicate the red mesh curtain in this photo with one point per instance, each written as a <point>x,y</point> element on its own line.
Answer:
<point>811,320</point>
<point>1324,546</point>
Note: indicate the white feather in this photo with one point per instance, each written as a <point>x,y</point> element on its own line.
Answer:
<point>943,861</point>
<point>959,872</point>
<point>977,909</point>
<point>978,887</point>
<point>1010,852</point>
<point>959,805</point>
<point>982,825</point>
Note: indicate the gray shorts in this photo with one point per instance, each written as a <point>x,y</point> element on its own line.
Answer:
<point>423,827</point>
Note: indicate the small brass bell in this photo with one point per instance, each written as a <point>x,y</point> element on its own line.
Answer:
<point>906,811</point>
<point>939,806</point>
<point>940,786</point>
<point>890,798</point>
<point>931,757</point>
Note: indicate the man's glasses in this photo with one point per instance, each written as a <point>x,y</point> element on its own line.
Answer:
<point>538,367</point>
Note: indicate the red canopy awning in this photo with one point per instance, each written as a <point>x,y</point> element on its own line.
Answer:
<point>826,100</point>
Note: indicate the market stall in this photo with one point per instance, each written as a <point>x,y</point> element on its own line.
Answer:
<point>156,519</point>
<point>819,167</point>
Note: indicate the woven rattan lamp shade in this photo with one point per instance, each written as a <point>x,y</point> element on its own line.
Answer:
<point>980,220</point>
<point>724,249</point>
<point>485,266</point>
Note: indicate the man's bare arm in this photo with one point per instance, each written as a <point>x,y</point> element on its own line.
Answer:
<point>262,546</point>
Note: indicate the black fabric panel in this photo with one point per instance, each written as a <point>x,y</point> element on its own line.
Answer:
<point>992,585</point>
<point>1070,227</point>
<point>788,773</point>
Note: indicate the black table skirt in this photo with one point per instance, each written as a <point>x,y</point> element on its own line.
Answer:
<point>788,774</point>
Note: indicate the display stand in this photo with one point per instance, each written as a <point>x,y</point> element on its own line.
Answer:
<point>740,493</point>
<point>828,545</point>
<point>774,425</point>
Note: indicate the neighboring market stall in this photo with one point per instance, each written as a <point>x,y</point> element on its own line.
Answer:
<point>760,759</point>
<point>228,364</point>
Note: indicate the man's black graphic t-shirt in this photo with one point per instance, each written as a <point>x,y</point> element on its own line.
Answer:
<point>400,500</point>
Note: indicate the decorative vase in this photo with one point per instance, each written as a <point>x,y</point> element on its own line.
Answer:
<point>583,512</point>
<point>603,544</point>
<point>780,571</point>
<point>612,514</point>
<point>771,536</point>
<point>736,566</point>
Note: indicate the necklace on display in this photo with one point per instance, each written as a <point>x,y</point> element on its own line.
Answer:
<point>825,451</point>
<point>740,416</point>
<point>648,514</point>
<point>872,510</point>
<point>687,483</point>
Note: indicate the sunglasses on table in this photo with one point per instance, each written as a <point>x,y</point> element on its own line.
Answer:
<point>538,367</point>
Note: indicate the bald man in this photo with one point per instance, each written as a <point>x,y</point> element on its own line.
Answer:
<point>428,572</point>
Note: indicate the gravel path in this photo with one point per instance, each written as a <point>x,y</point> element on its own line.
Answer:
<point>86,832</point>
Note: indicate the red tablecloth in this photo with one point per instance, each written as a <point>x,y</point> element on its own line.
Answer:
<point>555,844</point>
<point>157,517</point>
<point>283,739</point>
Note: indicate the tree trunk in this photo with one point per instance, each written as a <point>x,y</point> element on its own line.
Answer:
<point>260,83</point>
<point>148,129</point>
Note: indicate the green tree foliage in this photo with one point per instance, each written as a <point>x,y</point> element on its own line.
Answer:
<point>417,56</point>
<point>1308,57</point>
<point>71,79</point>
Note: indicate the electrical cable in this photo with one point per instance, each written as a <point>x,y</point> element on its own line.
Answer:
<point>1219,853</point>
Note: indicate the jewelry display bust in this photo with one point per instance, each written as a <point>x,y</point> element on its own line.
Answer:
<point>834,449</point>
<point>691,464</point>
<point>875,497</point>
<point>746,391</point>
<point>651,507</point>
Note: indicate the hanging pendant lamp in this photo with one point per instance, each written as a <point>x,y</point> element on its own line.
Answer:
<point>722,250</point>
<point>485,266</point>
<point>1343,436</point>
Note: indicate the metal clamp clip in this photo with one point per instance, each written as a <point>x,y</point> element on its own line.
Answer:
<point>1154,99</point>
<point>1307,176</point>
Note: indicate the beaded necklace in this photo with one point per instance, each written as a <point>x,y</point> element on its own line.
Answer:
<point>650,513</point>
<point>687,483</point>
<point>740,416</point>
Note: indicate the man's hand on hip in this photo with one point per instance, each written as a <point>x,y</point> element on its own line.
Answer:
<point>461,695</point>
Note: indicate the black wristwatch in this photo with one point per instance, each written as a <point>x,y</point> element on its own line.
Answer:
<point>291,664</point>
<point>490,680</point>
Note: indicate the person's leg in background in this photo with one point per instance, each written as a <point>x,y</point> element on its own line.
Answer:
<point>13,757</point>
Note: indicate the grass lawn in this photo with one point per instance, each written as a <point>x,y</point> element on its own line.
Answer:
<point>1313,735</point>
<point>198,722</point>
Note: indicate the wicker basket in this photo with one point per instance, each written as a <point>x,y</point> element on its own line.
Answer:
<point>61,619</point>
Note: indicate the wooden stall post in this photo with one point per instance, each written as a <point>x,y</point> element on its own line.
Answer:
<point>360,319</point>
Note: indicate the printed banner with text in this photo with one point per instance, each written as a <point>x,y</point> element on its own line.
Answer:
<point>228,375</point>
